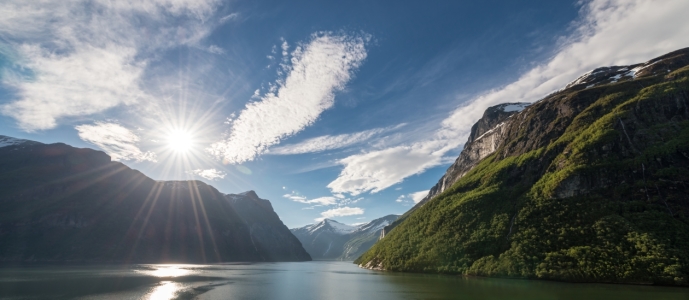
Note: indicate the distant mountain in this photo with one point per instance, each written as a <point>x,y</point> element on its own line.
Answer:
<point>60,203</point>
<point>332,240</point>
<point>589,184</point>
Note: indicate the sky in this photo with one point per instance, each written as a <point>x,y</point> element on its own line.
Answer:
<point>349,110</point>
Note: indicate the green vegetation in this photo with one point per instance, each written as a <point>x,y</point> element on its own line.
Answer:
<point>598,195</point>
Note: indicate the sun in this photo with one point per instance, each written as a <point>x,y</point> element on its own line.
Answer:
<point>179,141</point>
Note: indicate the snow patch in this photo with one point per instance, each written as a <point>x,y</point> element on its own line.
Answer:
<point>490,131</point>
<point>615,78</point>
<point>10,141</point>
<point>515,107</point>
<point>340,228</point>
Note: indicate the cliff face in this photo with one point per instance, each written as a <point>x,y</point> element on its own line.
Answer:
<point>271,239</point>
<point>588,184</point>
<point>61,203</point>
<point>486,136</point>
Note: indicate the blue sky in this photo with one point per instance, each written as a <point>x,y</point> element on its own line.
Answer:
<point>349,110</point>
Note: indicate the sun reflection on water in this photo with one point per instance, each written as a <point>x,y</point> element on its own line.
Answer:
<point>166,271</point>
<point>165,291</point>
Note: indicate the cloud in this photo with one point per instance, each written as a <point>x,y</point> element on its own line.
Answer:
<point>377,170</point>
<point>230,17</point>
<point>88,81</point>
<point>318,201</point>
<point>330,142</point>
<point>609,32</point>
<point>418,196</point>
<point>341,212</point>
<point>115,140</point>
<point>415,197</point>
<point>216,50</point>
<point>318,69</point>
<point>83,57</point>
<point>210,174</point>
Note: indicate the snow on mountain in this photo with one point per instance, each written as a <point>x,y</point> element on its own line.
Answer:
<point>332,240</point>
<point>515,107</point>
<point>340,228</point>
<point>329,225</point>
<point>10,141</point>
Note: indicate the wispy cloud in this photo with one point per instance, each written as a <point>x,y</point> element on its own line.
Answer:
<point>377,170</point>
<point>330,142</point>
<point>318,69</point>
<point>210,174</point>
<point>118,142</point>
<point>341,212</point>
<point>413,197</point>
<point>230,17</point>
<point>418,196</point>
<point>317,201</point>
<point>83,57</point>
<point>609,32</point>
<point>216,50</point>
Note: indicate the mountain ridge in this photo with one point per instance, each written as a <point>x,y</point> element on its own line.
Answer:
<point>332,240</point>
<point>62,203</point>
<point>588,184</point>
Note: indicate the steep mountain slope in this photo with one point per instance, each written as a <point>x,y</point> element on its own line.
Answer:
<point>332,240</point>
<point>61,203</point>
<point>364,237</point>
<point>486,136</point>
<point>589,184</point>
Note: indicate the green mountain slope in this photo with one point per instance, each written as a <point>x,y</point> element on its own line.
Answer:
<point>589,184</point>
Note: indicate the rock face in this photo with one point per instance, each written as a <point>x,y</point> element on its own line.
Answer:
<point>332,240</point>
<point>589,184</point>
<point>61,203</point>
<point>486,137</point>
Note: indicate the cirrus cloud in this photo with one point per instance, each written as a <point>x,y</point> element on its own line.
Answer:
<point>330,142</point>
<point>115,140</point>
<point>318,69</point>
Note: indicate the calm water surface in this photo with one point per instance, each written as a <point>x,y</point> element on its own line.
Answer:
<point>307,280</point>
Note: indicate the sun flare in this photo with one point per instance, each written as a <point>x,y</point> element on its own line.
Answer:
<point>179,141</point>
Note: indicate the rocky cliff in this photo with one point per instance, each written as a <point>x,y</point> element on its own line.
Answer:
<point>61,203</point>
<point>588,184</point>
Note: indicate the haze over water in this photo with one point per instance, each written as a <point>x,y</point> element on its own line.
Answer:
<point>309,280</point>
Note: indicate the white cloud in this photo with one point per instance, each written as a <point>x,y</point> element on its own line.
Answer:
<point>610,32</point>
<point>230,17</point>
<point>418,196</point>
<point>216,50</point>
<point>329,142</point>
<point>318,69</point>
<point>89,80</point>
<point>115,140</point>
<point>318,201</point>
<point>341,211</point>
<point>210,174</point>
<point>83,57</point>
<point>415,197</point>
<point>377,170</point>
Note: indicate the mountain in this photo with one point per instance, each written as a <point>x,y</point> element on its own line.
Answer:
<point>332,240</point>
<point>61,203</point>
<point>589,184</point>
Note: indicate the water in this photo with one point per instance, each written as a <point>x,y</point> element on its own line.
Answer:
<point>303,281</point>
